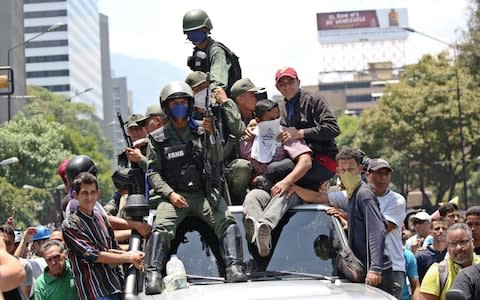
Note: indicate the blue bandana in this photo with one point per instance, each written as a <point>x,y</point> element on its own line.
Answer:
<point>196,36</point>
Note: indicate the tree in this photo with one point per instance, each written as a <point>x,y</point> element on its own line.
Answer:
<point>348,129</point>
<point>469,51</point>
<point>49,130</point>
<point>416,125</point>
<point>15,198</point>
<point>82,131</point>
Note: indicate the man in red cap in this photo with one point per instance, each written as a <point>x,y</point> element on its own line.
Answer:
<point>307,116</point>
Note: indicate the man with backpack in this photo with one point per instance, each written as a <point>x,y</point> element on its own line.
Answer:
<point>440,276</point>
<point>210,55</point>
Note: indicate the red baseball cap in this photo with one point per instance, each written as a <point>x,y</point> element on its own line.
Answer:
<point>286,71</point>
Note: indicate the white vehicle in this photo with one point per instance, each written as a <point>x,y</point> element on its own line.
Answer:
<point>300,266</point>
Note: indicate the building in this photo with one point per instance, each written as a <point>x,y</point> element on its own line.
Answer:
<point>108,111</point>
<point>12,53</point>
<point>67,60</point>
<point>121,101</point>
<point>362,92</point>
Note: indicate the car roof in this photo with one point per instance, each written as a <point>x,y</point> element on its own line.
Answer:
<point>299,289</point>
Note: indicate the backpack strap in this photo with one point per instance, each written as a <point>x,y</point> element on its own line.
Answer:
<point>443,274</point>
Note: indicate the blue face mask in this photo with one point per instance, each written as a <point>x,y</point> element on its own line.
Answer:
<point>196,36</point>
<point>179,111</point>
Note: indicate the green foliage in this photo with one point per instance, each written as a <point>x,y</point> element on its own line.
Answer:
<point>15,198</point>
<point>469,50</point>
<point>39,146</point>
<point>348,129</point>
<point>48,130</point>
<point>416,125</point>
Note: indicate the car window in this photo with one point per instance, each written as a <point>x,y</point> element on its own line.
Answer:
<point>302,242</point>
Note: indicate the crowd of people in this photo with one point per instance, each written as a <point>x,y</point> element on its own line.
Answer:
<point>214,140</point>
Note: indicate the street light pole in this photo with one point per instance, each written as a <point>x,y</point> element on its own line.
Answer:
<point>459,107</point>
<point>78,94</point>
<point>51,28</point>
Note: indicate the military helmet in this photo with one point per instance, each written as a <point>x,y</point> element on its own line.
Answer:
<point>195,79</point>
<point>79,164</point>
<point>175,90</point>
<point>196,19</point>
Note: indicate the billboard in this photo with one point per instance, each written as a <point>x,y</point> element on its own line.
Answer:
<point>362,25</point>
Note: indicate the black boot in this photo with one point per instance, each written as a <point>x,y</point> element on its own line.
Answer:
<point>155,260</point>
<point>232,251</point>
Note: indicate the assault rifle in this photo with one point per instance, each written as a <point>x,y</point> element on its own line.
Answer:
<point>213,171</point>
<point>136,208</point>
<point>128,139</point>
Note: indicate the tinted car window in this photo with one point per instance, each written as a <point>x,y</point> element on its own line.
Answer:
<point>302,243</point>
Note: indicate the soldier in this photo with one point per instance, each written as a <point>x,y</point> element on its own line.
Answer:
<point>138,135</point>
<point>154,118</point>
<point>210,55</point>
<point>131,161</point>
<point>237,171</point>
<point>176,161</point>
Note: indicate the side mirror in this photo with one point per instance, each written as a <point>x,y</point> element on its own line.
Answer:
<point>455,295</point>
<point>6,81</point>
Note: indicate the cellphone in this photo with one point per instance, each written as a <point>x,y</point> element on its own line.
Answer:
<point>13,212</point>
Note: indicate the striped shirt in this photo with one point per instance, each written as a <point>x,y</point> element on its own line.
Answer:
<point>86,236</point>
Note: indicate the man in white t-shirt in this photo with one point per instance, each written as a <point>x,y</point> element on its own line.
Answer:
<point>392,206</point>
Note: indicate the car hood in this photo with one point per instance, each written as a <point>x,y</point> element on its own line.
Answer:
<point>277,289</point>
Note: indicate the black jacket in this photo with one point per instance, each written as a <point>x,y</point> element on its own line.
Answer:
<point>312,114</point>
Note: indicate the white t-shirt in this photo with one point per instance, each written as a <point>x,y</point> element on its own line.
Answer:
<point>427,241</point>
<point>392,206</point>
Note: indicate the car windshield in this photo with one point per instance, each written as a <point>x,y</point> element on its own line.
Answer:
<point>302,243</point>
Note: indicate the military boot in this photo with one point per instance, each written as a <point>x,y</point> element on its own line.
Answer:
<point>232,251</point>
<point>155,260</point>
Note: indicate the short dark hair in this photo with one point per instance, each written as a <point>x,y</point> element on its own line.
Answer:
<point>263,106</point>
<point>351,153</point>
<point>84,178</point>
<point>447,208</point>
<point>473,211</point>
<point>441,220</point>
<point>8,230</point>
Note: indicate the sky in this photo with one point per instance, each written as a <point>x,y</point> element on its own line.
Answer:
<point>266,35</point>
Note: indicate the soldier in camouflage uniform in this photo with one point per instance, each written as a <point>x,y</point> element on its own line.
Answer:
<point>210,55</point>
<point>176,162</point>
<point>237,171</point>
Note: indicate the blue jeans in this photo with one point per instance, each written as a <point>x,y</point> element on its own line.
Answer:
<point>117,296</point>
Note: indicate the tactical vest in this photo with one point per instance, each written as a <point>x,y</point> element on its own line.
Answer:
<point>201,62</point>
<point>182,164</point>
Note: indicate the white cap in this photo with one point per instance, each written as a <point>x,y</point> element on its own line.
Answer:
<point>422,216</point>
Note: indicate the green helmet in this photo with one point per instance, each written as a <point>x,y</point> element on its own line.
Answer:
<point>174,90</point>
<point>196,19</point>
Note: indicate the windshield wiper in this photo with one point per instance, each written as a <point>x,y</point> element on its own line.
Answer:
<point>200,277</point>
<point>280,274</point>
